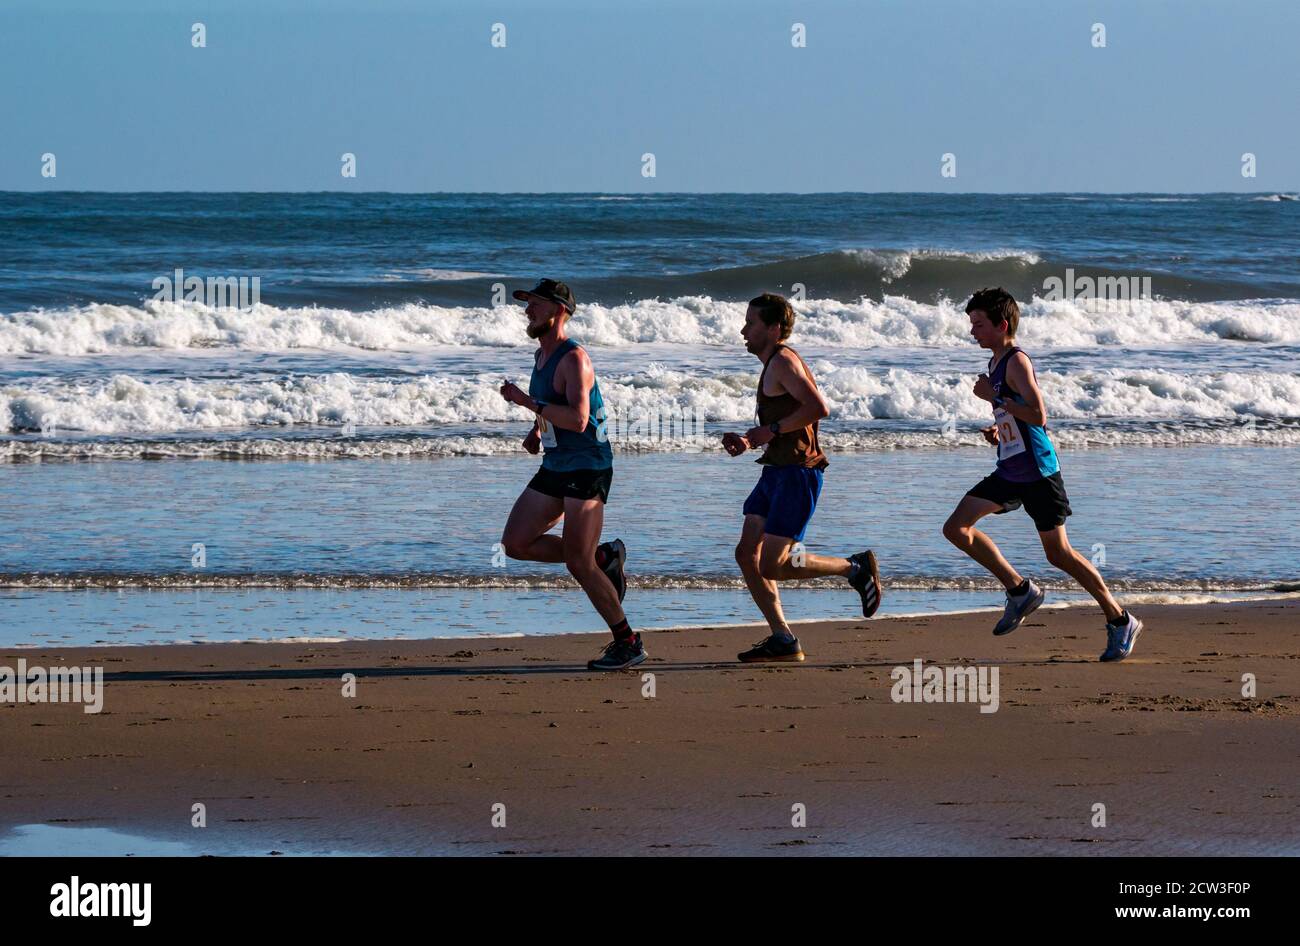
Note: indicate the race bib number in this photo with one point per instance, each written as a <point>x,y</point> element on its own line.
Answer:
<point>547,433</point>
<point>1009,442</point>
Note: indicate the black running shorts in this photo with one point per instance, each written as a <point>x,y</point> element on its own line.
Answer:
<point>575,484</point>
<point>1044,499</point>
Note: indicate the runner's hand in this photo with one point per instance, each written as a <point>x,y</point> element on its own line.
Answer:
<point>511,392</point>
<point>757,436</point>
<point>984,388</point>
<point>734,444</point>
<point>990,434</point>
<point>533,442</point>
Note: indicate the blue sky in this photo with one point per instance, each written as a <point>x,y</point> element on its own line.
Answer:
<point>713,88</point>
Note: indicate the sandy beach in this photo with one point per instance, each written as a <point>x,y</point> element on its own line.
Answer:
<point>718,761</point>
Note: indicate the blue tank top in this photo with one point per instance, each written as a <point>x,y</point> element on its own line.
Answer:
<point>1025,452</point>
<point>567,449</point>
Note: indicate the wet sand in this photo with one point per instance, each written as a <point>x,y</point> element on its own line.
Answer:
<point>441,731</point>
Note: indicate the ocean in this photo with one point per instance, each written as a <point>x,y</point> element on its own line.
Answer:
<point>334,460</point>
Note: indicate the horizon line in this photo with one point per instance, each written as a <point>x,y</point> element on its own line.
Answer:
<point>833,193</point>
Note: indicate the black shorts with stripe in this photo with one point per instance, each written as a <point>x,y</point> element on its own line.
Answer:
<point>574,484</point>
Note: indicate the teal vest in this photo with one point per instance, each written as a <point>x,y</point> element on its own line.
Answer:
<point>567,449</point>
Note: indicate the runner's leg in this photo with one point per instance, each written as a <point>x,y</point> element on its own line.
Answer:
<point>749,553</point>
<point>777,563</point>
<point>583,520</point>
<point>525,537</point>
<point>960,531</point>
<point>1063,556</point>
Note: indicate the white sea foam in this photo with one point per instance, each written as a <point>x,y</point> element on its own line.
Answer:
<point>127,404</point>
<point>412,447</point>
<point>690,320</point>
<point>895,264</point>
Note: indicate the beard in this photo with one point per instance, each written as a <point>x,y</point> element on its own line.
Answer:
<point>537,331</point>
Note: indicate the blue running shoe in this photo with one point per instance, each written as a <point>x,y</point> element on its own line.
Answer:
<point>1019,607</point>
<point>1121,637</point>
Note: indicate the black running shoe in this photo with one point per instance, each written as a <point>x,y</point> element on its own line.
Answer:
<point>867,581</point>
<point>615,556</point>
<point>620,655</point>
<point>773,650</point>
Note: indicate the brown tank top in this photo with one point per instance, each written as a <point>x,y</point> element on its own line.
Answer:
<point>797,447</point>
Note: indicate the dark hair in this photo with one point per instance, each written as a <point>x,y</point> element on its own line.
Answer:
<point>775,310</point>
<point>998,305</point>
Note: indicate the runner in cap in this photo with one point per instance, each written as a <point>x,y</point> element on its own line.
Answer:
<point>577,470</point>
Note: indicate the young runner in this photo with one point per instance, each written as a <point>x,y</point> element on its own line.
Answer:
<point>779,509</point>
<point>1028,474</point>
<point>577,470</point>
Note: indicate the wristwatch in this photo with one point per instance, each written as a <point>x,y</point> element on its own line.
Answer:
<point>998,402</point>
<point>775,427</point>
<point>540,405</point>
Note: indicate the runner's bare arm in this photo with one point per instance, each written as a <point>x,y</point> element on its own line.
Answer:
<point>1021,376</point>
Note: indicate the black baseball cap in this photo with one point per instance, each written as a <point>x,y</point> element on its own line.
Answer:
<point>551,291</point>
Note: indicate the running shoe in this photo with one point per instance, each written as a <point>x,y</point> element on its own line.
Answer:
<point>867,581</point>
<point>1121,636</point>
<point>620,655</point>
<point>1019,607</point>
<point>773,650</point>
<point>615,556</point>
